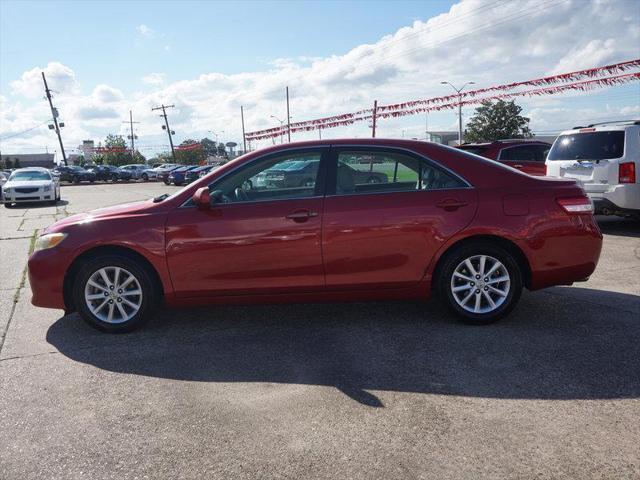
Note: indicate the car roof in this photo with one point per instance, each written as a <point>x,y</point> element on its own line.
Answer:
<point>31,169</point>
<point>619,126</point>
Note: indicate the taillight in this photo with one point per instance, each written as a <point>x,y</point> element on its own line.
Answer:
<point>576,204</point>
<point>627,173</point>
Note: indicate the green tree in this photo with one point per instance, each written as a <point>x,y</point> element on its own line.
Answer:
<point>115,153</point>
<point>139,158</point>
<point>17,163</point>
<point>8,164</point>
<point>497,121</point>
<point>191,156</point>
<point>222,150</point>
<point>209,147</point>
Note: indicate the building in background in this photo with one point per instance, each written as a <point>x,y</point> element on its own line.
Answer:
<point>21,160</point>
<point>443,137</point>
<point>88,150</point>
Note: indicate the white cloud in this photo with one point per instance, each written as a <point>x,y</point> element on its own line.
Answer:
<point>488,43</point>
<point>153,78</point>
<point>59,78</point>
<point>146,31</point>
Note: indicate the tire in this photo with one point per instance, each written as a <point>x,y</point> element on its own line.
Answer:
<point>373,179</point>
<point>8,205</point>
<point>456,274</point>
<point>143,282</point>
<point>145,177</point>
<point>166,182</point>
<point>75,179</point>
<point>114,178</point>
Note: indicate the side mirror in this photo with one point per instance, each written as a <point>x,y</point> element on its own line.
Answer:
<point>201,198</point>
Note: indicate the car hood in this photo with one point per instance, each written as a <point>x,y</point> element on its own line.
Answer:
<point>27,183</point>
<point>101,213</point>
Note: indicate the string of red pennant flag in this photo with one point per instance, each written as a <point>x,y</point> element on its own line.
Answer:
<point>471,97</point>
<point>191,146</point>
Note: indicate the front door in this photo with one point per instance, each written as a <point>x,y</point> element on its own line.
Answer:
<point>387,216</point>
<point>262,234</point>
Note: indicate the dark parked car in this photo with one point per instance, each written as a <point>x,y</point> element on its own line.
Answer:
<point>525,155</point>
<point>468,229</point>
<point>163,175</point>
<point>109,173</point>
<point>177,176</point>
<point>74,174</point>
<point>196,173</point>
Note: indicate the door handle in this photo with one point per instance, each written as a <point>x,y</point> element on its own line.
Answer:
<point>451,204</point>
<point>518,166</point>
<point>301,215</point>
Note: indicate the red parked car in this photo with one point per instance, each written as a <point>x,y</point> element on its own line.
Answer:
<point>525,155</point>
<point>467,228</point>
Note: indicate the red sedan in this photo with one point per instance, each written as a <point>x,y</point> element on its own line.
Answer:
<point>445,221</point>
<point>526,155</point>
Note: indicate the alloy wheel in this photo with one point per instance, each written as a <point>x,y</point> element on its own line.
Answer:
<point>113,294</point>
<point>480,284</point>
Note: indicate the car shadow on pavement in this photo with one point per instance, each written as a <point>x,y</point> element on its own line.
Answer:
<point>622,227</point>
<point>553,346</point>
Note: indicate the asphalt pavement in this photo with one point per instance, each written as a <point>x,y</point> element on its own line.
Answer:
<point>380,390</point>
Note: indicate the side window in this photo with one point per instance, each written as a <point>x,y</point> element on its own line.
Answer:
<point>541,152</point>
<point>289,176</point>
<point>361,171</point>
<point>524,153</point>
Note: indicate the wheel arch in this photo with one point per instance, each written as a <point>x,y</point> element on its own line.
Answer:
<point>508,245</point>
<point>106,249</point>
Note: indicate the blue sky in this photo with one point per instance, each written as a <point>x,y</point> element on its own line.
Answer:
<point>188,38</point>
<point>208,58</point>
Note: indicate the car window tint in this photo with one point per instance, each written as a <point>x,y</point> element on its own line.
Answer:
<point>364,171</point>
<point>524,153</point>
<point>274,178</point>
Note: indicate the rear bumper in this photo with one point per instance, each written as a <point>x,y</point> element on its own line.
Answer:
<point>617,198</point>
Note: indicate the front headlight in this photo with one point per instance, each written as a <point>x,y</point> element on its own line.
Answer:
<point>47,188</point>
<point>49,241</point>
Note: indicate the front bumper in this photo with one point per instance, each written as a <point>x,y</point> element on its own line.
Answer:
<point>46,277</point>
<point>15,197</point>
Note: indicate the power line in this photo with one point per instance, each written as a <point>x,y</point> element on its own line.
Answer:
<point>24,131</point>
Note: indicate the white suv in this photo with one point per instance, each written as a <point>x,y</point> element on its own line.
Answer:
<point>605,159</point>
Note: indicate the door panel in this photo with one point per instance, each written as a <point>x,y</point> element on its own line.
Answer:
<point>388,240</point>
<point>246,248</point>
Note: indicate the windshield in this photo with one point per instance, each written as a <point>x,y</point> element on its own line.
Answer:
<point>30,175</point>
<point>588,146</point>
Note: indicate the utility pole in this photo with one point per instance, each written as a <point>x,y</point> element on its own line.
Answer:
<point>459,92</point>
<point>166,123</point>
<point>131,122</point>
<point>244,138</point>
<point>375,108</point>
<point>288,118</point>
<point>54,113</point>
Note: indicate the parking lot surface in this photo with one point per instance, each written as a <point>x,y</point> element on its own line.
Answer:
<point>378,390</point>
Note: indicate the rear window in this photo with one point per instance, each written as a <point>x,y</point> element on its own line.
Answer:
<point>588,146</point>
<point>473,149</point>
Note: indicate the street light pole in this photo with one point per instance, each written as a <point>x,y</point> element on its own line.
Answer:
<point>459,92</point>
<point>281,127</point>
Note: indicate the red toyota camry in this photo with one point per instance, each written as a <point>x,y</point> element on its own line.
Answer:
<point>330,220</point>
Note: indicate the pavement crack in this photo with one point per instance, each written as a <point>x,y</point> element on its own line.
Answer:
<point>16,296</point>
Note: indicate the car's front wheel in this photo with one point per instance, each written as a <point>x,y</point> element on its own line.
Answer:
<point>480,282</point>
<point>114,293</point>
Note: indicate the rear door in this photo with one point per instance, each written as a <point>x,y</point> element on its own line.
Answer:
<point>590,156</point>
<point>385,233</point>
<point>527,158</point>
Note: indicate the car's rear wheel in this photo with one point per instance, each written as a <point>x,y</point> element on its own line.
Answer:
<point>114,293</point>
<point>145,177</point>
<point>75,179</point>
<point>480,282</point>
<point>373,179</point>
